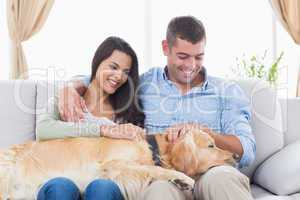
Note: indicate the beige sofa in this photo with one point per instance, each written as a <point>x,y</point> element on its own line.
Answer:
<point>275,175</point>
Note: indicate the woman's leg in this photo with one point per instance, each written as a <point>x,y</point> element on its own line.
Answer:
<point>59,188</point>
<point>103,189</point>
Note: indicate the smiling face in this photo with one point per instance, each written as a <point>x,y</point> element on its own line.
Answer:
<point>185,60</point>
<point>197,152</point>
<point>113,72</point>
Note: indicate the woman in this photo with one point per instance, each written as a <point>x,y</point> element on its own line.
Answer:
<point>110,99</point>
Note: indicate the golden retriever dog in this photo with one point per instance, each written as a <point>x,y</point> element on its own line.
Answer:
<point>24,168</point>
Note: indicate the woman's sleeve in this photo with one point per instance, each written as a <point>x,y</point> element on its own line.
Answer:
<point>49,125</point>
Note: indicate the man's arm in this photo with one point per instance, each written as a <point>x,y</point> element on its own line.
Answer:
<point>235,123</point>
<point>236,135</point>
<point>70,104</point>
<point>228,142</point>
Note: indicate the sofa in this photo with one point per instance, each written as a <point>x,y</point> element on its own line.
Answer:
<point>275,174</point>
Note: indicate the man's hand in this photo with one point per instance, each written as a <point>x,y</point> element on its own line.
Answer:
<point>123,131</point>
<point>226,142</point>
<point>178,131</point>
<point>70,104</point>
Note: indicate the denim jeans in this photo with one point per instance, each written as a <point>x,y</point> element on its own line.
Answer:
<point>64,189</point>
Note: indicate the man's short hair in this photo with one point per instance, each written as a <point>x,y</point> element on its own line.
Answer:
<point>186,28</point>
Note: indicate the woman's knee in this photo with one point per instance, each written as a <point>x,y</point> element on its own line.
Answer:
<point>59,187</point>
<point>103,189</point>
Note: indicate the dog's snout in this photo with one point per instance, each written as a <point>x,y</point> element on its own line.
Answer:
<point>236,157</point>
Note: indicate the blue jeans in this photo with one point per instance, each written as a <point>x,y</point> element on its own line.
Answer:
<point>64,189</point>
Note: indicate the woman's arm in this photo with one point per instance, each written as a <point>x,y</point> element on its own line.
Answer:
<point>50,126</point>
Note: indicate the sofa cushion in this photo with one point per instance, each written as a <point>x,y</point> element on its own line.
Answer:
<point>280,174</point>
<point>266,121</point>
<point>291,109</point>
<point>44,91</point>
<point>17,112</point>
<point>261,194</point>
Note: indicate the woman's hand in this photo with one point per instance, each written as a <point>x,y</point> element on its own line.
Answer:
<point>122,131</point>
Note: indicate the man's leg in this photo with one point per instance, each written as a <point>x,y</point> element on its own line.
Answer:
<point>223,182</point>
<point>162,190</point>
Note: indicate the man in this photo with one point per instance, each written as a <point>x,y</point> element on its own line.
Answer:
<point>180,94</point>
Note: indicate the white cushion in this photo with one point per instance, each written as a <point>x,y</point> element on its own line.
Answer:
<point>280,174</point>
<point>17,112</point>
<point>266,120</point>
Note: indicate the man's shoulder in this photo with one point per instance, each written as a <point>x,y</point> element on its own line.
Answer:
<point>225,86</point>
<point>84,78</point>
<point>215,81</point>
<point>153,73</point>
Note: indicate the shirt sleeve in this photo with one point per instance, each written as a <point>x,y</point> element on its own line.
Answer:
<point>235,120</point>
<point>84,78</point>
<point>49,125</point>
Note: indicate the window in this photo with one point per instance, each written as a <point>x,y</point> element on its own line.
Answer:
<point>73,31</point>
<point>233,28</point>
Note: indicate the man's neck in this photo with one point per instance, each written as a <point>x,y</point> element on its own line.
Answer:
<point>186,87</point>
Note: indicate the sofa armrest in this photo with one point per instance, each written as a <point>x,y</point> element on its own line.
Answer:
<point>280,174</point>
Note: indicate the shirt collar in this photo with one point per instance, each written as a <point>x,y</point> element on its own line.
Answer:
<point>203,74</point>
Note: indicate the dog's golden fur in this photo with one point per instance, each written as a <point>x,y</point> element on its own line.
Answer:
<point>24,168</point>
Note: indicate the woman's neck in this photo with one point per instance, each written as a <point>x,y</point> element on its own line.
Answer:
<point>95,97</point>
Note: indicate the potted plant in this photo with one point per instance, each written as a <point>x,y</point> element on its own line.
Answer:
<point>257,67</point>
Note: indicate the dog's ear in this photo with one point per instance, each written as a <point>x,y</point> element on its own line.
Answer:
<point>222,158</point>
<point>143,136</point>
<point>184,156</point>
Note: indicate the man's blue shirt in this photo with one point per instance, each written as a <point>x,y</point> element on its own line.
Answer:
<point>217,104</point>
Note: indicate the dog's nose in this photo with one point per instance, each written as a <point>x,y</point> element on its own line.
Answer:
<point>236,157</point>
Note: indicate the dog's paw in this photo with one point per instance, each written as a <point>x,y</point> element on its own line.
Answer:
<point>187,189</point>
<point>180,184</point>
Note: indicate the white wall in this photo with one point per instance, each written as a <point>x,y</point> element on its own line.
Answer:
<point>74,29</point>
<point>233,28</point>
<point>291,61</point>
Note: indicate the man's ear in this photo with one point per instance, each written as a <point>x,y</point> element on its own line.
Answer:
<point>165,47</point>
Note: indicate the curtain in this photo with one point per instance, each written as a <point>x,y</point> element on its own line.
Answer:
<point>288,13</point>
<point>25,18</point>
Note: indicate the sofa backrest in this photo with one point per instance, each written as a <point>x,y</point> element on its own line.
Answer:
<point>21,100</point>
<point>266,123</point>
<point>45,91</point>
<point>290,110</point>
<point>17,112</point>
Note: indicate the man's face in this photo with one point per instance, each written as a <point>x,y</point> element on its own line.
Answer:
<point>184,61</point>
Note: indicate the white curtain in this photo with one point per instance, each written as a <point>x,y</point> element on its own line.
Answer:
<point>288,13</point>
<point>25,18</point>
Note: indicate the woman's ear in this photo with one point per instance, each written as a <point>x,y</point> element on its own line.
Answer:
<point>165,47</point>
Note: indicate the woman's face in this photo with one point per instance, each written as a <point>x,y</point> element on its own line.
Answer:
<point>113,72</point>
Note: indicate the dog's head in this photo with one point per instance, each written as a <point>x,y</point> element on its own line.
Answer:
<point>196,153</point>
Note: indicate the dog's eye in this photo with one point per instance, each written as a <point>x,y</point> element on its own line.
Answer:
<point>211,146</point>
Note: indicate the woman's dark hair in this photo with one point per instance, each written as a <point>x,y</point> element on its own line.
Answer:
<point>124,101</point>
